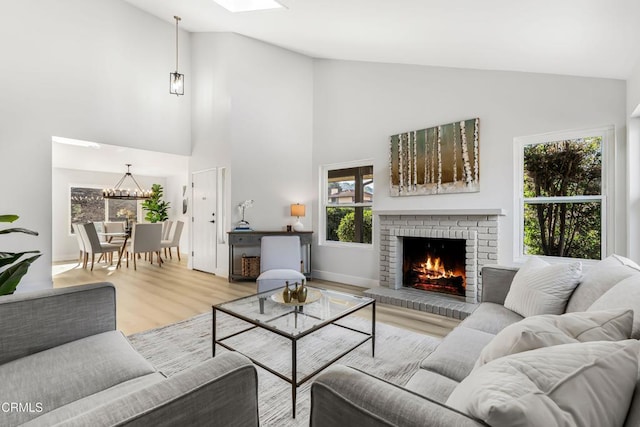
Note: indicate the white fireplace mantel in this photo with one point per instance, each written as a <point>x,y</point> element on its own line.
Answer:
<point>498,211</point>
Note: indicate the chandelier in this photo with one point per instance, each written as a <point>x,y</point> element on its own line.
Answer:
<point>126,193</point>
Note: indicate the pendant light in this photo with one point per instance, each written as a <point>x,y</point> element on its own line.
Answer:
<point>118,192</point>
<point>176,80</point>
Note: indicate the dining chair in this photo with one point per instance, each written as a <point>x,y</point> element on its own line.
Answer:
<point>115,227</point>
<point>166,229</point>
<point>93,245</point>
<point>76,231</point>
<point>279,263</point>
<point>174,242</point>
<point>145,238</point>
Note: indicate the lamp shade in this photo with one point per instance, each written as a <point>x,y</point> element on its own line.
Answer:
<point>297,210</point>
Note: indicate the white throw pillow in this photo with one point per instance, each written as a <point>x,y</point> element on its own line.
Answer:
<point>585,384</point>
<point>598,279</point>
<point>625,294</point>
<point>542,288</point>
<point>552,329</point>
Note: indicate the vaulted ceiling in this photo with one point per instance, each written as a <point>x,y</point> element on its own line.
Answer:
<point>597,38</point>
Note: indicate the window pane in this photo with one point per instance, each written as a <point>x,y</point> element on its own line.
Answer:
<point>563,168</point>
<point>350,185</point>
<point>349,224</point>
<point>87,205</point>
<point>119,210</point>
<point>563,229</point>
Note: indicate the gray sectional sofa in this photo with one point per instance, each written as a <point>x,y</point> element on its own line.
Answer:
<point>63,363</point>
<point>346,396</point>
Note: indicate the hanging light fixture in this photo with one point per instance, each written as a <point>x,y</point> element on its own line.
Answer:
<point>176,80</point>
<point>126,193</point>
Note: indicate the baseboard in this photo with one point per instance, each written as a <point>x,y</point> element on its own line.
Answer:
<point>66,258</point>
<point>344,278</point>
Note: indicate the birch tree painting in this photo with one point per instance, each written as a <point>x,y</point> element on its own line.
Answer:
<point>437,160</point>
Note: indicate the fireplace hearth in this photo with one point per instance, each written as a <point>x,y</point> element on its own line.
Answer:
<point>436,265</point>
<point>478,228</point>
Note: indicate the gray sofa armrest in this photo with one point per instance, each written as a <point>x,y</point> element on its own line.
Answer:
<point>222,391</point>
<point>348,397</point>
<point>496,281</point>
<point>36,321</point>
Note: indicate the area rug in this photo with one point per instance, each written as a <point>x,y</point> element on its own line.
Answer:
<point>184,344</point>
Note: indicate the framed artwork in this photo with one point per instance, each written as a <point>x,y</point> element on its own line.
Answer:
<point>438,160</point>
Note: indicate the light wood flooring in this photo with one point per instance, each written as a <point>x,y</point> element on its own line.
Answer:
<point>152,296</point>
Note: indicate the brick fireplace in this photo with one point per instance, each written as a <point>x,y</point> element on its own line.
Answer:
<point>478,228</point>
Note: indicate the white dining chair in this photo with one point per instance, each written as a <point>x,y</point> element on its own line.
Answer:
<point>145,238</point>
<point>76,231</point>
<point>115,227</point>
<point>93,245</point>
<point>279,263</point>
<point>174,242</point>
<point>166,229</point>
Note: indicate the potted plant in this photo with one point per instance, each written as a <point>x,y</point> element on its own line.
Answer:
<point>14,267</point>
<point>156,207</point>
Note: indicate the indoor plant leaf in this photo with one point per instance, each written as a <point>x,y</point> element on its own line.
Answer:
<point>10,277</point>
<point>7,258</point>
<point>8,218</point>
<point>18,230</point>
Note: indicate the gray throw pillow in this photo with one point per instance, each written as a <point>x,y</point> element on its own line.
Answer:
<point>542,288</point>
<point>598,279</point>
<point>584,384</point>
<point>625,294</point>
<point>552,329</point>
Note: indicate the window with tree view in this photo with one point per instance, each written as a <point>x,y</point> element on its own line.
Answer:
<point>562,194</point>
<point>348,204</point>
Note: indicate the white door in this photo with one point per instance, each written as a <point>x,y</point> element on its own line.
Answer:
<point>204,219</point>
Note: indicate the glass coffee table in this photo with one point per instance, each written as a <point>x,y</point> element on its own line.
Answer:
<point>295,321</point>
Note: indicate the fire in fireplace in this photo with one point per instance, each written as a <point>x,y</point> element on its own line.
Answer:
<point>434,264</point>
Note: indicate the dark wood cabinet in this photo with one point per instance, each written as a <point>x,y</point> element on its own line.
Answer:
<point>248,242</point>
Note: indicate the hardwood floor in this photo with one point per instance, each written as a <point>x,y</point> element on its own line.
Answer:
<point>152,296</point>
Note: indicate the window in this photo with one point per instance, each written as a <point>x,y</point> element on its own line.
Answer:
<point>562,200</point>
<point>88,205</point>
<point>347,201</point>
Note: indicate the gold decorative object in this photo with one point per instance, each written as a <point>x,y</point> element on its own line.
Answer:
<point>286,294</point>
<point>301,293</point>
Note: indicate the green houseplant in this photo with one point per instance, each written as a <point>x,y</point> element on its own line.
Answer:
<point>14,267</point>
<point>156,207</point>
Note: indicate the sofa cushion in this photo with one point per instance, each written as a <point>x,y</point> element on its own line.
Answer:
<point>431,385</point>
<point>598,279</point>
<point>552,329</point>
<point>584,384</point>
<point>625,294</point>
<point>64,374</point>
<point>542,288</point>
<point>633,416</point>
<point>91,402</point>
<point>457,353</point>
<point>491,318</point>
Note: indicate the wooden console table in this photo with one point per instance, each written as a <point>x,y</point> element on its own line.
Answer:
<point>251,240</point>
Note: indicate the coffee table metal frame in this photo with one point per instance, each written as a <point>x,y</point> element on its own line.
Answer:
<point>295,310</point>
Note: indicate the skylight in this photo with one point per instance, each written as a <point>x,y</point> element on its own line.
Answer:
<point>248,5</point>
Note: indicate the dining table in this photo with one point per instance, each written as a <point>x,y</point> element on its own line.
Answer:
<point>110,236</point>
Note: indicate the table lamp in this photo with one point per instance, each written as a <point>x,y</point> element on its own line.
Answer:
<point>297,210</point>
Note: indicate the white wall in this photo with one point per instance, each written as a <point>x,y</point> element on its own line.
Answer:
<point>253,116</point>
<point>633,160</point>
<point>65,244</point>
<point>95,70</point>
<point>358,105</point>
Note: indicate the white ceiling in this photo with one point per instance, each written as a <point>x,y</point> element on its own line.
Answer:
<point>112,158</point>
<point>598,38</point>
